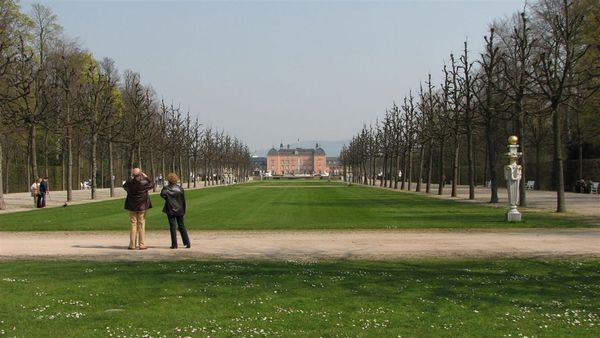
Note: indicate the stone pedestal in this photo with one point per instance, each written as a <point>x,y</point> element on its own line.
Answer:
<point>513,215</point>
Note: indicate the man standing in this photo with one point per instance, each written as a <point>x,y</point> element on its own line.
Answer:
<point>137,202</point>
<point>44,190</point>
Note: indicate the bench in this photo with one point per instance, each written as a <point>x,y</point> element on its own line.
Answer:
<point>530,185</point>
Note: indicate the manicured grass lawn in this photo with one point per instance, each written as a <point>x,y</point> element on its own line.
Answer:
<point>515,298</point>
<point>289,205</point>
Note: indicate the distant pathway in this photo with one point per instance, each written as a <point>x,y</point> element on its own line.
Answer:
<point>306,245</point>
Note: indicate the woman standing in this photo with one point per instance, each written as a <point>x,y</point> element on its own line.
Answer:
<point>175,209</point>
<point>35,193</point>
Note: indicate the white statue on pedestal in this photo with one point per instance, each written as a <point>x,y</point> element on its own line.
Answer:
<point>512,173</point>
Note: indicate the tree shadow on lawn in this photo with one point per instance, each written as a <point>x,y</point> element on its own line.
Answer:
<point>482,284</point>
<point>443,214</point>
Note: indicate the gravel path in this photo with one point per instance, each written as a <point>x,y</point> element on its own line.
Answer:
<point>305,245</point>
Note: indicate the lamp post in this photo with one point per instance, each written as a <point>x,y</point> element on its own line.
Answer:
<point>512,173</point>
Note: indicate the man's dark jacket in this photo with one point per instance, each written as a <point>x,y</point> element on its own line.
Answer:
<point>137,193</point>
<point>174,200</point>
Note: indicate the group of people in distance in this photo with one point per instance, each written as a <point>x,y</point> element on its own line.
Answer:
<point>583,186</point>
<point>39,191</point>
<point>138,202</point>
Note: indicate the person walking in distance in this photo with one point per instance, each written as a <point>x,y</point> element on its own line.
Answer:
<point>35,192</point>
<point>137,202</point>
<point>175,210</point>
<point>44,190</point>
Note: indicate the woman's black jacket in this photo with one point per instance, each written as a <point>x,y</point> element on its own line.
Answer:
<point>174,200</point>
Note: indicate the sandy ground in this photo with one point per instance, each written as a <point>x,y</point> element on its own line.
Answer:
<point>313,245</point>
<point>306,245</point>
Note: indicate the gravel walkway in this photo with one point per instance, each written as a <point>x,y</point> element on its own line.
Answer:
<point>306,245</point>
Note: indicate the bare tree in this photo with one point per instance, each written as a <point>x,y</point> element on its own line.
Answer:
<point>489,105</point>
<point>516,46</point>
<point>428,107</point>
<point>98,100</point>
<point>558,54</point>
<point>466,80</point>
<point>12,24</point>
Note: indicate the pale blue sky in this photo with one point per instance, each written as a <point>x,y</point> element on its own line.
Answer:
<point>280,71</point>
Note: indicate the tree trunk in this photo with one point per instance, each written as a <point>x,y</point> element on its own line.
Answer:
<point>471,162</point>
<point>2,203</point>
<point>111,169</point>
<point>79,165</point>
<point>491,150</point>
<point>374,171</point>
<point>559,182</point>
<point>152,171</point>
<point>192,176</point>
<point>63,170</point>
<point>485,166</point>
<point>408,173</point>
<point>132,158</point>
<point>195,167</point>
<point>455,172</point>
<point>393,168</point>
<point>404,167</point>
<point>429,166</point>
<point>521,136</point>
<point>69,162</point>
<point>206,172</point>
<point>94,145</point>
<point>383,182</point>
<point>442,177</point>
<point>139,155</point>
<point>45,153</point>
<point>32,136</point>
<point>421,164</point>
<point>102,172</point>
<point>162,166</point>
<point>180,164</point>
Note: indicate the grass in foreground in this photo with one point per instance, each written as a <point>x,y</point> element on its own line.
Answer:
<point>240,299</point>
<point>289,205</point>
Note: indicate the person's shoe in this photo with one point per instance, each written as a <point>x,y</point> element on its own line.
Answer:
<point>130,248</point>
<point>173,247</point>
<point>143,248</point>
<point>188,246</point>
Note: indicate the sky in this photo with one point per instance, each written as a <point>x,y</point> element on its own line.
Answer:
<point>280,71</point>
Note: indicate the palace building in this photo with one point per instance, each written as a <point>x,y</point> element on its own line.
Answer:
<point>297,161</point>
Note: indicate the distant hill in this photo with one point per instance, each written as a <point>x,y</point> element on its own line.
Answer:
<point>332,148</point>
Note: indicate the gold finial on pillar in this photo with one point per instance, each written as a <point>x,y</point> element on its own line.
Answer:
<point>513,140</point>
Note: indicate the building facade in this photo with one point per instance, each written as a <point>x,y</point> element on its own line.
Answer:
<point>297,161</point>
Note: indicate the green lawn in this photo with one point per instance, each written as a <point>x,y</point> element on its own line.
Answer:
<point>508,298</point>
<point>282,204</point>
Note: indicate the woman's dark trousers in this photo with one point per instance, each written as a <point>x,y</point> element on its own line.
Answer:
<point>177,222</point>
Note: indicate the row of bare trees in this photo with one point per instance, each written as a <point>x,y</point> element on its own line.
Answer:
<point>538,77</point>
<point>66,115</point>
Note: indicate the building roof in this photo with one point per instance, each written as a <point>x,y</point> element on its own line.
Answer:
<point>296,151</point>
